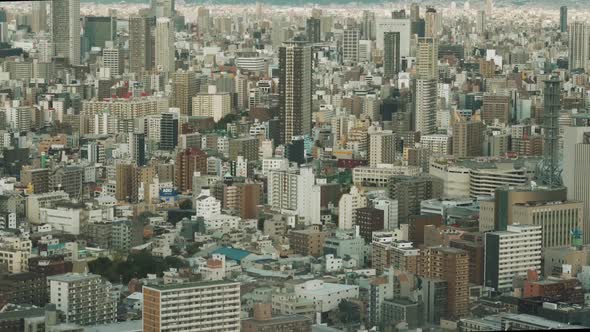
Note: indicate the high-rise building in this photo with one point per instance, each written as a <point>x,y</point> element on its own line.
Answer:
<point>369,220</point>
<point>84,299</point>
<point>452,266</point>
<point>432,23</point>
<point>205,305</point>
<point>215,105</point>
<point>162,8</point>
<point>187,163</point>
<point>468,139</point>
<point>184,88</point>
<point>480,22</point>
<point>578,45</point>
<point>168,131</point>
<point>165,50</point>
<point>410,191</point>
<point>347,207</point>
<point>427,58</point>
<point>295,69</point>
<point>123,181</point>
<point>381,148</point>
<point>112,58</point>
<point>426,85</point>
<point>66,29</point>
<point>350,46</point>
<point>510,253</point>
<point>312,29</point>
<point>563,18</point>
<point>39,16</point>
<point>368,31</point>
<point>391,54</point>
<point>489,7</point>
<point>577,154</point>
<point>203,19</point>
<point>140,44</point>
<point>98,30</point>
<point>137,148</point>
<point>558,220</point>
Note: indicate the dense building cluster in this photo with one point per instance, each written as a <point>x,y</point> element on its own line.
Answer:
<point>401,167</point>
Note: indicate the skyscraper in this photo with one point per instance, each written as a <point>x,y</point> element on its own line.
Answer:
<point>578,44</point>
<point>66,29</point>
<point>563,18</point>
<point>168,131</point>
<point>162,8</point>
<point>489,7</point>
<point>39,16</point>
<point>98,30</point>
<point>368,31</point>
<point>295,89</point>
<point>468,139</point>
<point>184,88</point>
<point>426,85</point>
<point>313,30</point>
<point>165,50</point>
<point>350,46</point>
<point>137,148</point>
<point>576,170</point>
<point>391,55</point>
<point>140,44</point>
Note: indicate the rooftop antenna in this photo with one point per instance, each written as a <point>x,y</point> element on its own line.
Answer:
<point>548,169</point>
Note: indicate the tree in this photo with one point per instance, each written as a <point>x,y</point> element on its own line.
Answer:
<point>186,204</point>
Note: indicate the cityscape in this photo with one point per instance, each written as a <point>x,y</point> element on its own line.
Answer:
<point>294,166</point>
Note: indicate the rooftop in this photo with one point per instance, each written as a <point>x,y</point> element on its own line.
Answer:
<point>191,285</point>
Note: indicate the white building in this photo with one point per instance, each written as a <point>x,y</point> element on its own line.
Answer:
<point>390,214</point>
<point>436,143</point>
<point>394,25</point>
<point>215,105</point>
<point>84,299</point>
<point>63,218</point>
<point>37,201</point>
<point>326,296</point>
<point>207,206</point>
<point>347,206</point>
<point>165,50</point>
<point>379,176</point>
<point>511,253</point>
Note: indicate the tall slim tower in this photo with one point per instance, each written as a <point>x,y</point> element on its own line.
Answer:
<point>563,19</point>
<point>578,44</point>
<point>165,50</point>
<point>426,85</point>
<point>39,16</point>
<point>489,7</point>
<point>295,69</point>
<point>65,16</point>
<point>368,31</point>
<point>391,55</point>
<point>549,170</point>
<point>140,44</point>
<point>313,30</point>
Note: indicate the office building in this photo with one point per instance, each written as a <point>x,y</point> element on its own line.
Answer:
<point>112,58</point>
<point>403,26</point>
<point>369,220</point>
<point>39,16</point>
<point>165,49</point>
<point>207,306</point>
<point>66,29</point>
<point>511,253</point>
<point>168,131</point>
<point>84,299</point>
<point>295,69</point>
<point>368,31</point>
<point>578,45</point>
<point>434,293</point>
<point>350,46</point>
<point>577,152</point>
<point>307,242</point>
<point>98,30</point>
<point>313,30</point>
<point>563,19</point>
<point>391,54</point>
<point>506,198</point>
<point>137,148</point>
<point>140,44</point>
<point>558,220</point>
